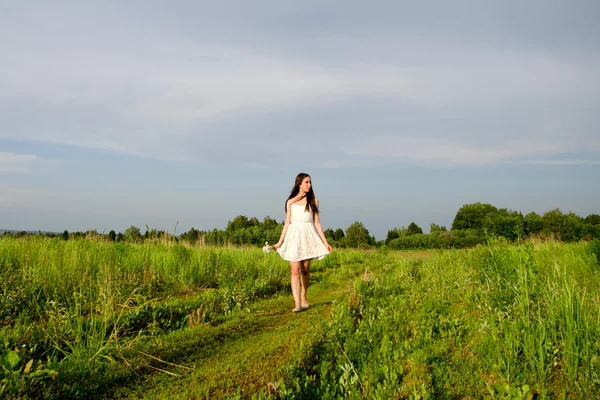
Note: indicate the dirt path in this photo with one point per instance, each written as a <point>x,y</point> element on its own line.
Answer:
<point>244,354</point>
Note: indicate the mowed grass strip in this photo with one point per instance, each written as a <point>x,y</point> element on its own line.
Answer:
<point>242,355</point>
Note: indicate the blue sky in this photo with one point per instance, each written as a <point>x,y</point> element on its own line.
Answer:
<point>152,112</point>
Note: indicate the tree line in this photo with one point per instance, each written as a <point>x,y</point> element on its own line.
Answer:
<point>473,224</point>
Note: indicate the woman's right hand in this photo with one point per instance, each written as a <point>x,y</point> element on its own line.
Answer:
<point>276,246</point>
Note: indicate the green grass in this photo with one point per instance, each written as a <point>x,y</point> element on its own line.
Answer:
<point>497,321</point>
<point>86,311</point>
<point>87,319</point>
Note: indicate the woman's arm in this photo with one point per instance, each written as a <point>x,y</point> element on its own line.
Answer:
<point>288,219</point>
<point>317,222</point>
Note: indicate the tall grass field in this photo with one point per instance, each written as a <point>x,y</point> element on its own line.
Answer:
<point>84,318</point>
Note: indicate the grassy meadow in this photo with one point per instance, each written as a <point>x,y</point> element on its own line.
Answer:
<point>88,318</point>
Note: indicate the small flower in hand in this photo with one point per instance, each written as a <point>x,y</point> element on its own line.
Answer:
<point>266,247</point>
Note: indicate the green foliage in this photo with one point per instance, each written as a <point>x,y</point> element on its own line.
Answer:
<point>391,235</point>
<point>16,374</point>
<point>592,219</point>
<point>499,321</point>
<point>269,223</point>
<point>396,233</point>
<point>81,302</point>
<point>416,241</point>
<point>473,216</point>
<point>239,222</point>
<point>9,360</point>
<point>132,234</point>
<point>440,240</point>
<point>191,236</point>
<point>595,249</point>
<point>534,224</point>
<point>414,229</point>
<point>473,225</point>
<point>329,234</point>
<point>357,234</point>
<point>568,227</point>
<point>436,229</point>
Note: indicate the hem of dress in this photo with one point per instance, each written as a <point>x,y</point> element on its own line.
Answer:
<point>317,257</point>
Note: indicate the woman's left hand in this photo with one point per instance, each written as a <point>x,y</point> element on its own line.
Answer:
<point>328,247</point>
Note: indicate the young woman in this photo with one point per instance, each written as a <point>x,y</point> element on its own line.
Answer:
<point>302,238</point>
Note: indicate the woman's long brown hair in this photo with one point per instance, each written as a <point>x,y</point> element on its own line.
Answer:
<point>311,204</point>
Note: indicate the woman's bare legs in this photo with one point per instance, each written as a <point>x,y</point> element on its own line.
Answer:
<point>305,281</point>
<point>296,267</point>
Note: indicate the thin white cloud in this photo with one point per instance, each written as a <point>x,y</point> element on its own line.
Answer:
<point>23,196</point>
<point>145,88</point>
<point>442,151</point>
<point>14,169</point>
<point>18,163</point>
<point>177,89</point>
<point>560,162</point>
<point>14,158</point>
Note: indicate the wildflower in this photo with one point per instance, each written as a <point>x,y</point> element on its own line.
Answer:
<point>266,247</point>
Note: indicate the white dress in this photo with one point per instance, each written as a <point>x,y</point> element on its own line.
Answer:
<point>302,242</point>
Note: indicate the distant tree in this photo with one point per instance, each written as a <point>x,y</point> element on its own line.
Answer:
<point>216,237</point>
<point>132,234</point>
<point>391,235</point>
<point>534,224</point>
<point>329,234</point>
<point>65,235</point>
<point>554,221</point>
<point>396,233</point>
<point>341,243</point>
<point>568,227</point>
<point>154,234</point>
<point>590,231</point>
<point>573,227</point>
<point>338,234</point>
<point>269,223</point>
<point>120,237</point>
<point>112,235</point>
<point>357,234</point>
<point>191,236</point>
<point>414,229</point>
<point>239,222</point>
<point>436,229</point>
<point>473,216</point>
<point>592,219</point>
<point>510,226</point>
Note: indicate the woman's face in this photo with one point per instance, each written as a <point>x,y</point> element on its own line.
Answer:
<point>306,185</point>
